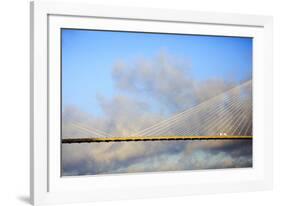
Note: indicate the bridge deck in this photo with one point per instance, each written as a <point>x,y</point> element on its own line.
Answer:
<point>162,138</point>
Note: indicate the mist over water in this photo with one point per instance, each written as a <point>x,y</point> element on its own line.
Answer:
<point>124,157</point>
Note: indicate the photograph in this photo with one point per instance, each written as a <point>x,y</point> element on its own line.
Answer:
<point>139,102</point>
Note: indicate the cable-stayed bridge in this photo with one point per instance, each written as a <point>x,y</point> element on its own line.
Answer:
<point>225,116</point>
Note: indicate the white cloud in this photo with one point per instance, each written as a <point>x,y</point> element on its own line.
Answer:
<point>168,85</point>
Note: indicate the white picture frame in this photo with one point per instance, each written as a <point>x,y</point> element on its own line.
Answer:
<point>47,186</point>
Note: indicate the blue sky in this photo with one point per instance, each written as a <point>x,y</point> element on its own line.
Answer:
<point>89,56</point>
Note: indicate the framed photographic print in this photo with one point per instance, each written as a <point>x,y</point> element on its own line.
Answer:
<point>134,103</point>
